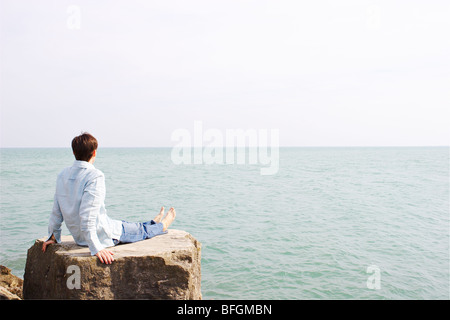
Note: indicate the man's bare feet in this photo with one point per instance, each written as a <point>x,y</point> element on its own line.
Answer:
<point>168,219</point>
<point>160,215</point>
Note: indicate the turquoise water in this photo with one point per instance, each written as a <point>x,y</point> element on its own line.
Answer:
<point>308,232</point>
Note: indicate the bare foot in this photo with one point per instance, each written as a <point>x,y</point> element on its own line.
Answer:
<point>169,219</point>
<point>160,215</point>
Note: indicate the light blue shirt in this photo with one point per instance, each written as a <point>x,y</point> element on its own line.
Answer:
<point>80,202</point>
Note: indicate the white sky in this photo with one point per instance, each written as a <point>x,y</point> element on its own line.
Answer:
<point>324,73</point>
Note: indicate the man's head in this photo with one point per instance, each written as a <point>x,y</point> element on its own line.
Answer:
<point>84,147</point>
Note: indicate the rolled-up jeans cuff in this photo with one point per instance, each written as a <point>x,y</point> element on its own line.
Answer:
<point>155,230</point>
<point>138,231</point>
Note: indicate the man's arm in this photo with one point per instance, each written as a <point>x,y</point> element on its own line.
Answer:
<point>48,242</point>
<point>54,225</point>
<point>91,201</point>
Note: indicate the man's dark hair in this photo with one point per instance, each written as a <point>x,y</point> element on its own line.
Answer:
<point>83,146</point>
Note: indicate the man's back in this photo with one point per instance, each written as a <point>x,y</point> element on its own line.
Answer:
<point>79,201</point>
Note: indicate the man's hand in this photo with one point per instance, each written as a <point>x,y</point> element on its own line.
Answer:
<point>105,256</point>
<point>47,243</point>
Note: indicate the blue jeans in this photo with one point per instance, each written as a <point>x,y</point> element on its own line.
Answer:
<point>137,231</point>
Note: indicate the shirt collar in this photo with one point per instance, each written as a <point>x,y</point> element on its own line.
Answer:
<point>82,164</point>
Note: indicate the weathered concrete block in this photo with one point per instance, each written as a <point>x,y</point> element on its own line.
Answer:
<point>164,267</point>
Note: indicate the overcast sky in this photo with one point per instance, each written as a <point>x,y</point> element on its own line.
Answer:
<point>324,73</point>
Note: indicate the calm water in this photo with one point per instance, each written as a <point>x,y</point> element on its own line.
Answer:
<point>308,232</point>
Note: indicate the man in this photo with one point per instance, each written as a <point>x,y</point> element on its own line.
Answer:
<point>80,202</point>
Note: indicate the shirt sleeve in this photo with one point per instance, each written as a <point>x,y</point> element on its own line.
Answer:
<point>55,221</point>
<point>91,200</point>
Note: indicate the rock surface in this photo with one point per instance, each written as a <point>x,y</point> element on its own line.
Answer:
<point>164,267</point>
<point>10,285</point>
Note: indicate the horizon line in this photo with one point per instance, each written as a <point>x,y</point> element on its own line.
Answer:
<point>168,147</point>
